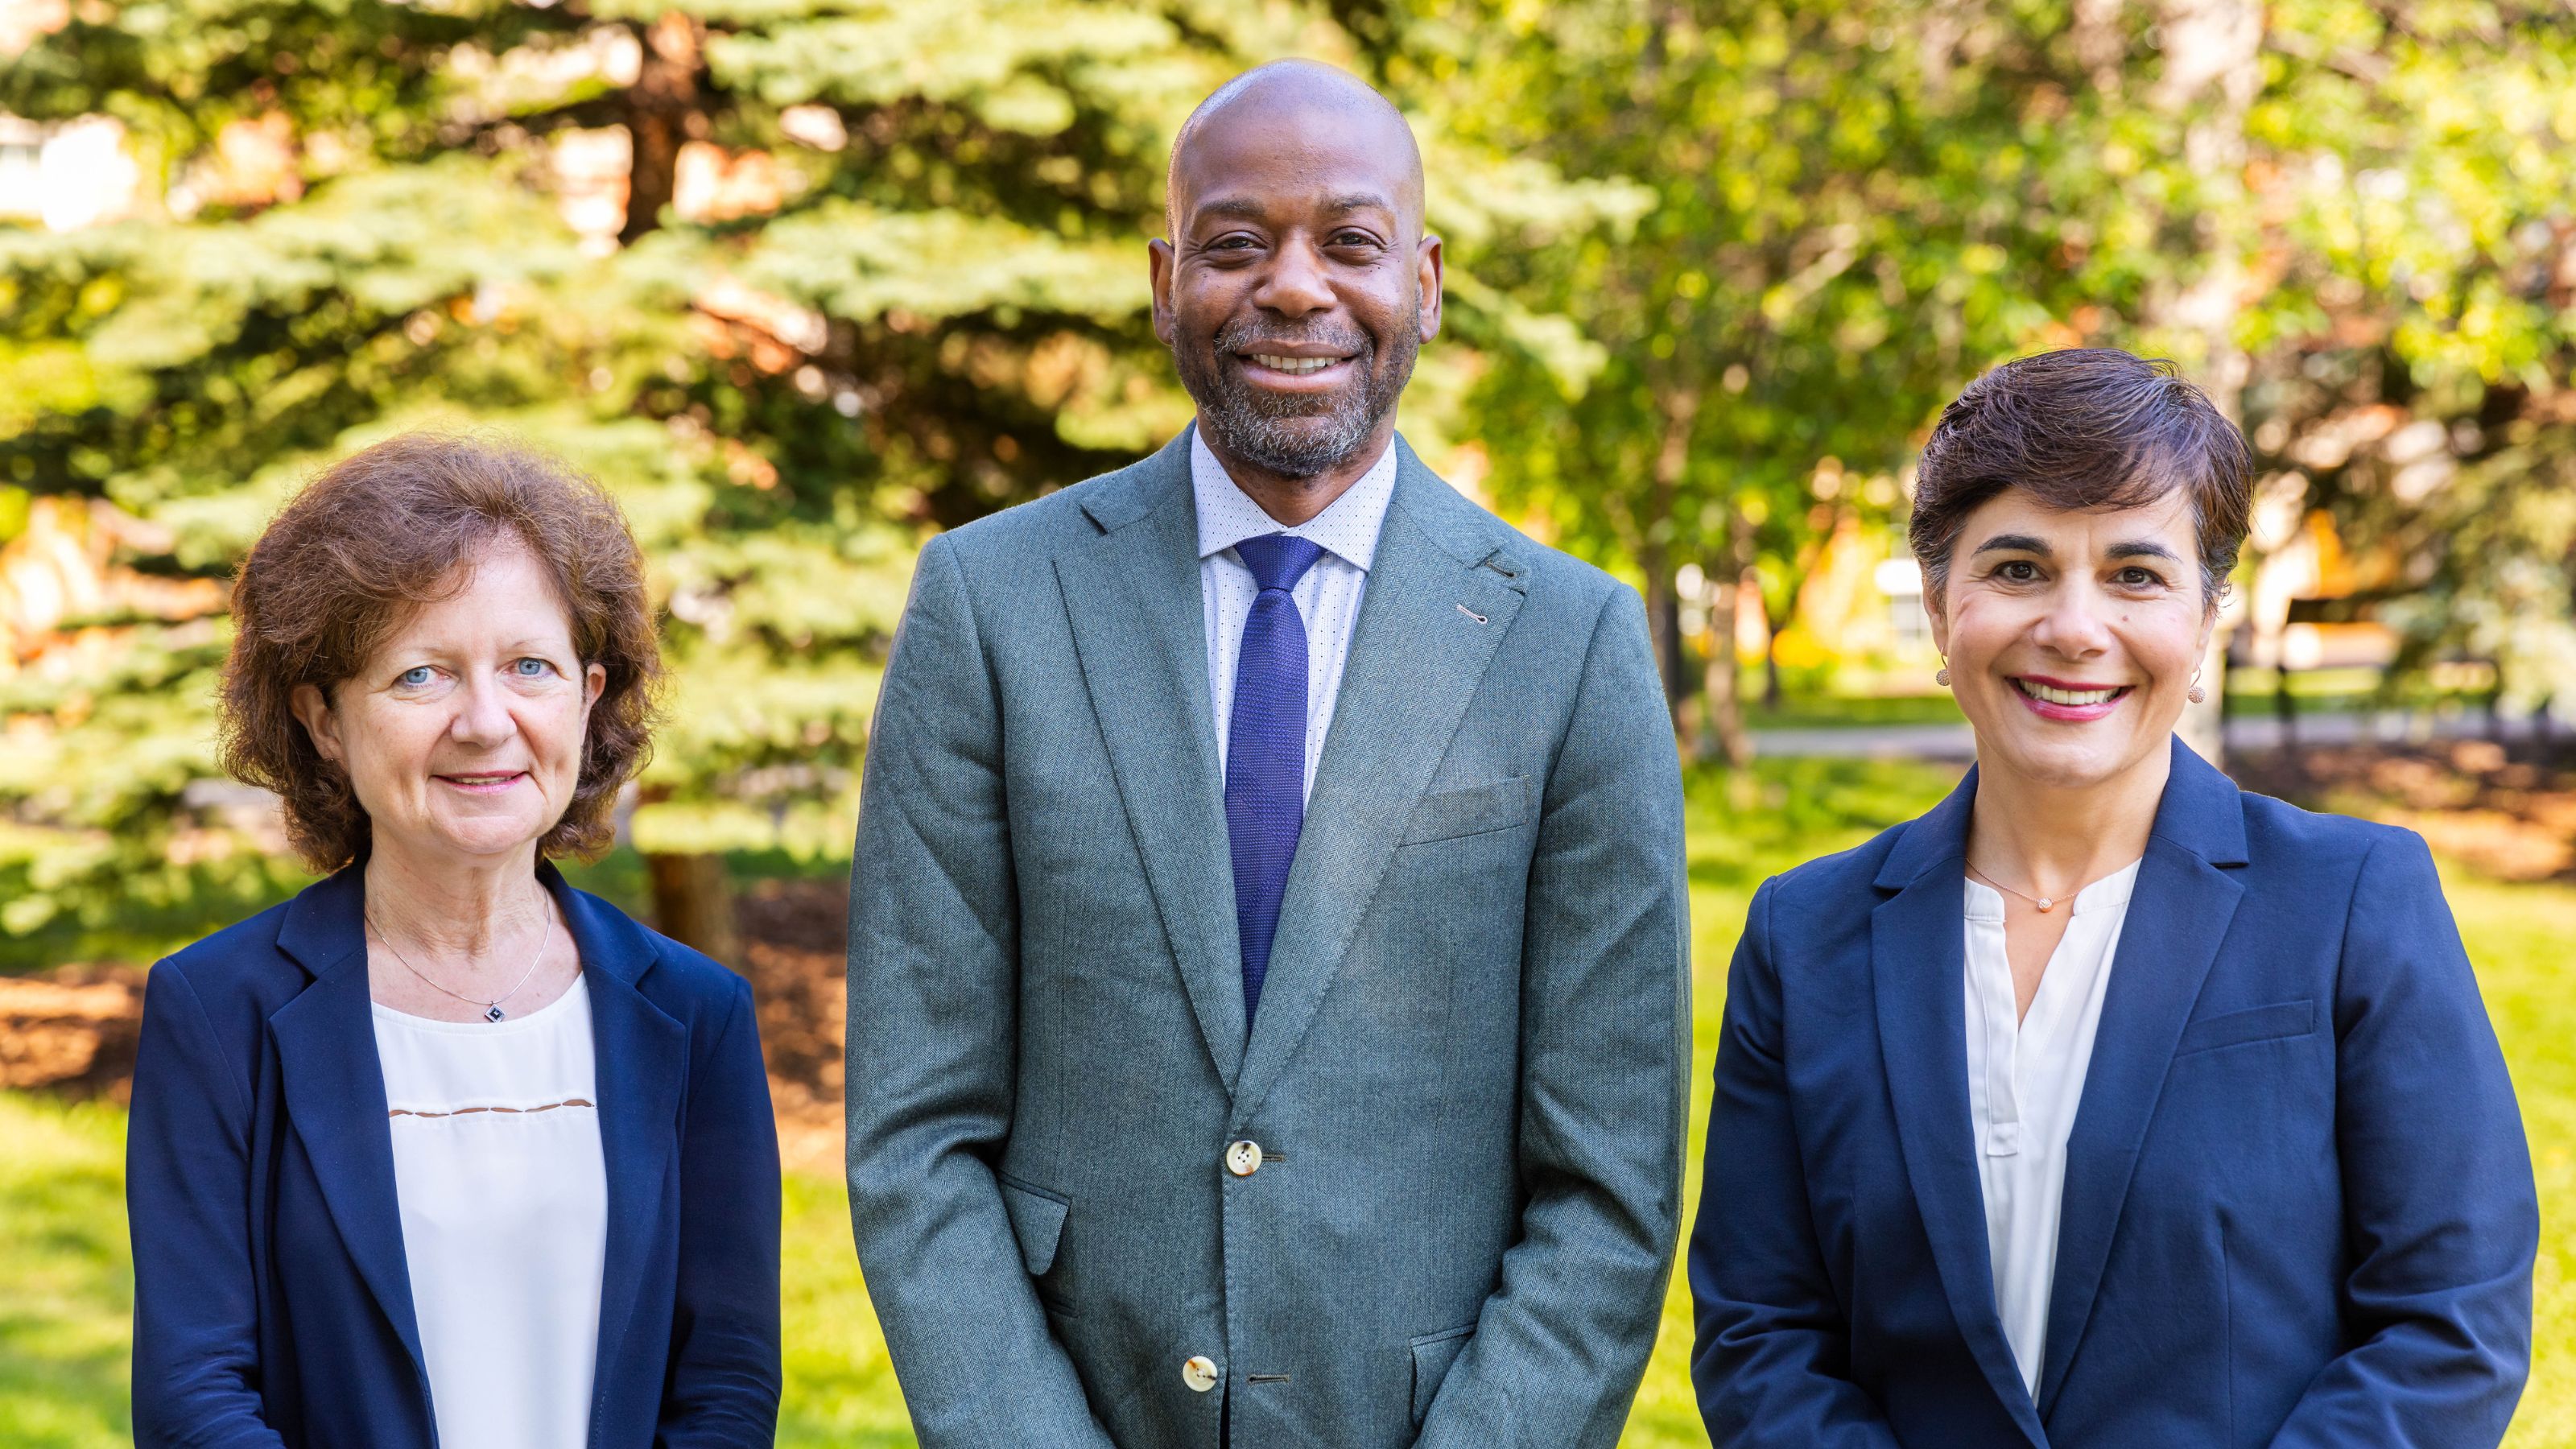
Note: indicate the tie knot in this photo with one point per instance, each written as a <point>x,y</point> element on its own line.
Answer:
<point>1278,560</point>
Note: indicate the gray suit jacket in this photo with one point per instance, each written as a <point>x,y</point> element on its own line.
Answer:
<point>1467,1070</point>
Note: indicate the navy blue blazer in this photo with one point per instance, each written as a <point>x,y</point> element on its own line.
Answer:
<point>2298,1212</point>
<point>272,1305</point>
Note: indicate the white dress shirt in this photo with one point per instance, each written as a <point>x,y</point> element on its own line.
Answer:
<point>1328,597</point>
<point>2025,1081</point>
<point>503,1189</point>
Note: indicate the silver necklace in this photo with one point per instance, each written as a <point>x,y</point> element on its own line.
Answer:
<point>491,1009</point>
<point>2045,903</point>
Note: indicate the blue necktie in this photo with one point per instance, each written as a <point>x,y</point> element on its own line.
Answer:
<point>1265,752</point>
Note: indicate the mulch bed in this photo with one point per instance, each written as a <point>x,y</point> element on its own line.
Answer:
<point>2510,812</point>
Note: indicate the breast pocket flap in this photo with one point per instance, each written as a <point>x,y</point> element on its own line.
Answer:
<point>1447,814</point>
<point>2259,1023</point>
<point>1037,1220</point>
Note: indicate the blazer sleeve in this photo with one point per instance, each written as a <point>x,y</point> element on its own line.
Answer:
<point>187,1193</point>
<point>1770,1363</point>
<point>724,1377</point>
<point>1605,1055</point>
<point>2440,1213</point>
<point>934,987</point>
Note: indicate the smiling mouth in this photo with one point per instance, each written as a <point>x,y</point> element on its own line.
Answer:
<point>2072,698</point>
<point>1294,366</point>
<point>483,781</point>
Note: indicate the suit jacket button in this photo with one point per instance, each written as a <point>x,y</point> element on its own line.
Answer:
<point>1243,1159</point>
<point>1199,1373</point>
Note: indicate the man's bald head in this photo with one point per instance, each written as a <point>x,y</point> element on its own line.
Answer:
<point>1297,285</point>
<point>1292,99</point>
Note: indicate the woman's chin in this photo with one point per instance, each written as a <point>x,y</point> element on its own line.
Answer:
<point>471,840</point>
<point>2064,757</point>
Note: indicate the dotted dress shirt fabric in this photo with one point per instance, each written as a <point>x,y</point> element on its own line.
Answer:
<point>1328,596</point>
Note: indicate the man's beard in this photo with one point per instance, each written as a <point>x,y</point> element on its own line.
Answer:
<point>1262,427</point>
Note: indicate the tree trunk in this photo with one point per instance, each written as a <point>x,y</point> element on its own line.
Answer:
<point>2213,54</point>
<point>659,107</point>
<point>693,904</point>
<point>1722,732</point>
<point>1663,606</point>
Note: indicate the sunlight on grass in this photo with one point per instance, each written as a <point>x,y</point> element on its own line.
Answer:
<point>66,1286</point>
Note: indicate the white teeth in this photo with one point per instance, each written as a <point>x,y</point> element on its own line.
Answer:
<point>1294,364</point>
<point>2065,696</point>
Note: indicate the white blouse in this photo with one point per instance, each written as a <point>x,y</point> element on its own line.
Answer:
<point>504,1197</point>
<point>2025,1080</point>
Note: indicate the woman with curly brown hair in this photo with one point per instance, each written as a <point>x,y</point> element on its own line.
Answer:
<point>444,1151</point>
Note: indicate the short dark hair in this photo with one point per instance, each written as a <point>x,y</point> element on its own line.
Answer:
<point>2085,428</point>
<point>394,527</point>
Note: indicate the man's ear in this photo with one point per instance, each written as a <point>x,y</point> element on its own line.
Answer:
<point>313,711</point>
<point>1159,262</point>
<point>1428,259</point>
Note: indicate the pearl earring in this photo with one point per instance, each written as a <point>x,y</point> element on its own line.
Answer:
<point>2196,694</point>
<point>1942,677</point>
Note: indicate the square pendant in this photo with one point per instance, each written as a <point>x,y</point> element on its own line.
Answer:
<point>493,1014</point>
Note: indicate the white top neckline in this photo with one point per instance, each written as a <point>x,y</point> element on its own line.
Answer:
<point>2026,1085</point>
<point>501,1180</point>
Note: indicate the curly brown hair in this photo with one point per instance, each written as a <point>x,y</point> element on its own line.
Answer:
<point>397,526</point>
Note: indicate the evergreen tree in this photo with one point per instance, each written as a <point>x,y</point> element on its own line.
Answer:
<point>799,279</point>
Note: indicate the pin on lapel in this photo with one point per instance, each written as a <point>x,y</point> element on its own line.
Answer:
<point>1470,613</point>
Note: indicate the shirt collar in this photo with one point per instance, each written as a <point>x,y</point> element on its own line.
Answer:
<point>1347,528</point>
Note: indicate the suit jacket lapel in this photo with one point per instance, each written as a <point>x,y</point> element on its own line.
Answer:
<point>1132,595</point>
<point>1918,965</point>
<point>2178,915</point>
<point>1417,656</point>
<point>642,1058</point>
<point>334,1086</point>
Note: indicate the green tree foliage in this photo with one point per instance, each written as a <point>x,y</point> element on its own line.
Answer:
<point>2349,220</point>
<point>910,289</point>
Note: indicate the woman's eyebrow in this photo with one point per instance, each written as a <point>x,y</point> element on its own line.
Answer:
<point>2013,543</point>
<point>2142,548</point>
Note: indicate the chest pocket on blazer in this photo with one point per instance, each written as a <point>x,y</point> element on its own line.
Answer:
<point>2240,1028</point>
<point>1448,814</point>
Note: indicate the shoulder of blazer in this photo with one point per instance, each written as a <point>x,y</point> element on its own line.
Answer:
<point>1837,886</point>
<point>1027,532</point>
<point>240,965</point>
<point>2304,849</point>
<point>696,989</point>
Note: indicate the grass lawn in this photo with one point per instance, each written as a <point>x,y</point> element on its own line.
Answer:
<point>66,1287</point>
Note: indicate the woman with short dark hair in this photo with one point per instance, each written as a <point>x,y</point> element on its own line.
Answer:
<point>443,1151</point>
<point>2106,1105</point>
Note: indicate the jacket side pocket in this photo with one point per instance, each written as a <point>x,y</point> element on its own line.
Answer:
<point>1433,1353</point>
<point>1037,1220</point>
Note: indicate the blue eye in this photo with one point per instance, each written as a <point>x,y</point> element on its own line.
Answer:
<point>416,676</point>
<point>530,668</point>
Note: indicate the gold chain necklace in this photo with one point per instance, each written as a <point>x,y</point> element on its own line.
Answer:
<point>2045,903</point>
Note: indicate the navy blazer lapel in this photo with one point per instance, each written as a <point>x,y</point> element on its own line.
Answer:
<point>1132,596</point>
<point>1918,967</point>
<point>642,1059</point>
<point>1441,594</point>
<point>334,1087</point>
<point>2178,915</point>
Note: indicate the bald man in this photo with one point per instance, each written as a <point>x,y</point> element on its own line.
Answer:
<point>1268,1006</point>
